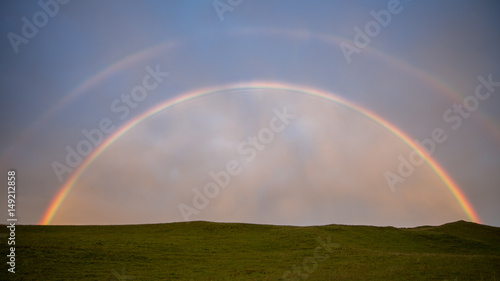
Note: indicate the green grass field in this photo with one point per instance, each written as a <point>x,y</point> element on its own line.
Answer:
<point>230,251</point>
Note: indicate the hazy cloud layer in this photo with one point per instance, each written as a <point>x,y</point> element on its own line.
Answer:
<point>326,167</point>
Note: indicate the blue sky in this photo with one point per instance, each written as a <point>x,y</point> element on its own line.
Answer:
<point>427,58</point>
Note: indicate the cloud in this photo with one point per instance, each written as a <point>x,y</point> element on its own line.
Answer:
<point>326,167</point>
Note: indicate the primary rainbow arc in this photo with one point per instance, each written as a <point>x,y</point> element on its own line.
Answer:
<point>451,185</point>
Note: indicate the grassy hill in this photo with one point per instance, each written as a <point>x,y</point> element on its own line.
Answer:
<point>230,251</point>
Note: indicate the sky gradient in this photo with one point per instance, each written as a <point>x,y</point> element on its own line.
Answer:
<point>119,112</point>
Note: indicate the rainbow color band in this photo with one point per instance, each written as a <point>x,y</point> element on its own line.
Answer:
<point>66,188</point>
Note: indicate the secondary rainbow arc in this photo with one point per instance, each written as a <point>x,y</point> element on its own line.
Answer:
<point>491,126</point>
<point>69,184</point>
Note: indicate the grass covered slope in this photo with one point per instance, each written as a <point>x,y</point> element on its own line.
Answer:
<point>230,251</point>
